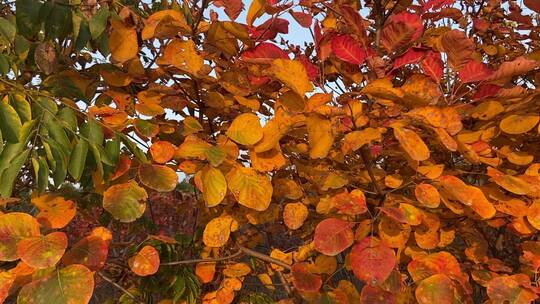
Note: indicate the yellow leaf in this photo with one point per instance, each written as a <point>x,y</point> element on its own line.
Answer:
<point>164,24</point>
<point>383,88</point>
<point>245,129</point>
<point>217,231</point>
<point>293,74</point>
<point>123,41</point>
<point>250,189</point>
<point>236,270</point>
<point>182,55</point>
<point>214,186</point>
<point>294,215</point>
<point>256,9</point>
<point>356,139</point>
<point>320,136</point>
<point>518,124</point>
<point>412,143</point>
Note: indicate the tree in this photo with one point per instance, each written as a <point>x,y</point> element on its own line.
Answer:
<point>389,158</point>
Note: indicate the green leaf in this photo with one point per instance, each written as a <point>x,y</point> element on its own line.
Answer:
<point>10,123</point>
<point>4,64</point>
<point>43,175</point>
<point>83,37</point>
<point>95,132</point>
<point>60,172</point>
<point>68,118</point>
<point>22,47</point>
<point>58,22</point>
<point>112,149</point>
<point>22,106</point>
<point>27,15</point>
<point>57,132</point>
<point>78,159</point>
<point>98,23</point>
<point>7,29</point>
<point>134,148</point>
<point>8,176</point>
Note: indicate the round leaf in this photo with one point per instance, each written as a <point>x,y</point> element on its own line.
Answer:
<point>245,129</point>
<point>145,262</point>
<point>14,227</point>
<point>71,285</point>
<point>332,236</point>
<point>42,251</point>
<point>372,261</point>
<point>158,177</point>
<point>250,189</point>
<point>126,202</point>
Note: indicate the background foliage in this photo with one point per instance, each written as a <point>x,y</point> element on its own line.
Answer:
<point>391,157</point>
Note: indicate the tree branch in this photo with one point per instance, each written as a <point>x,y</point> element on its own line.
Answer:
<point>113,283</point>
<point>195,261</point>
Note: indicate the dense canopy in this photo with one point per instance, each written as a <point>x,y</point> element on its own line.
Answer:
<point>267,151</point>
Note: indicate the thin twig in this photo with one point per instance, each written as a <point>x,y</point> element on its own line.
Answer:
<point>125,291</point>
<point>195,261</point>
<point>264,257</point>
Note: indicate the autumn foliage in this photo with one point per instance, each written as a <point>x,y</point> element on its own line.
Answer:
<point>373,151</point>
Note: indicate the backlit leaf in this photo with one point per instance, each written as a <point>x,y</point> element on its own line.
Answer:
<point>158,177</point>
<point>214,186</point>
<point>123,41</point>
<point>333,236</point>
<point>73,284</point>
<point>42,251</point>
<point>372,261</point>
<point>145,262</point>
<point>54,211</point>
<point>250,189</point>
<point>245,129</point>
<point>14,227</point>
<point>126,202</point>
<point>293,74</point>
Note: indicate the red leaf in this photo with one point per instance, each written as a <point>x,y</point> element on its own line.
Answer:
<point>348,50</point>
<point>372,261</point>
<point>433,66</point>
<point>518,66</point>
<point>486,90</point>
<point>401,29</point>
<point>437,4</point>
<point>270,29</point>
<point>411,20</point>
<point>264,52</point>
<point>474,71</point>
<point>303,19</point>
<point>233,8</point>
<point>355,22</point>
<point>376,295</point>
<point>304,280</point>
<point>411,56</point>
<point>458,47</point>
<point>533,5</point>
<point>332,236</point>
<point>312,70</point>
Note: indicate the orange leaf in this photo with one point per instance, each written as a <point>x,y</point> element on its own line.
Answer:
<point>54,211</point>
<point>437,288</point>
<point>303,280</point>
<point>145,262</point>
<point>42,251</point>
<point>162,151</point>
<point>294,215</point>
<point>123,41</point>
<point>73,284</point>
<point>372,261</point>
<point>91,251</point>
<point>14,227</point>
<point>333,236</point>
